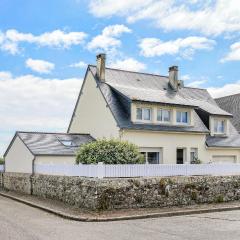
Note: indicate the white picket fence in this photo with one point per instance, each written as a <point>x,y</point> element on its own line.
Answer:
<point>137,170</point>
<point>1,168</point>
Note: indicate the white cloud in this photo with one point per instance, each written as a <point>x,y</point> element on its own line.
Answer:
<point>79,64</point>
<point>108,40</point>
<point>10,40</point>
<point>185,47</point>
<point>234,54</point>
<point>228,89</point>
<point>185,77</point>
<point>129,64</point>
<point>39,66</point>
<point>197,84</point>
<point>33,103</point>
<point>209,17</point>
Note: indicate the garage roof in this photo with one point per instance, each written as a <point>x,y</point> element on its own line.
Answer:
<point>57,144</point>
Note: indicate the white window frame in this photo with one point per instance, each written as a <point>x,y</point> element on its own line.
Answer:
<point>142,117</point>
<point>147,150</point>
<point>188,117</point>
<point>218,126</point>
<point>164,110</point>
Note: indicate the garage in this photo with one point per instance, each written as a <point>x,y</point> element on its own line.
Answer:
<point>224,159</point>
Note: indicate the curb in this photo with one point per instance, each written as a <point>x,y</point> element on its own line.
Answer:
<point>99,219</point>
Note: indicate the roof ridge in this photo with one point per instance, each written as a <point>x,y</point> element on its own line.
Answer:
<point>228,96</point>
<point>145,73</point>
<point>122,70</point>
<point>60,133</point>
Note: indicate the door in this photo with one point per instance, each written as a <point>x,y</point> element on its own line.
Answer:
<point>180,156</point>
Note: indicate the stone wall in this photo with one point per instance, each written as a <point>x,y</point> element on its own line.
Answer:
<point>128,193</point>
<point>1,180</point>
<point>78,191</point>
<point>19,182</point>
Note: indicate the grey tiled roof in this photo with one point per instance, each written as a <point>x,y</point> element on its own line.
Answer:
<point>232,105</point>
<point>122,116</point>
<point>155,88</point>
<point>40,143</point>
<point>232,140</point>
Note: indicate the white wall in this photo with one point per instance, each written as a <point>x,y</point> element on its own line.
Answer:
<point>55,160</point>
<point>19,158</point>
<point>92,115</point>
<point>169,142</point>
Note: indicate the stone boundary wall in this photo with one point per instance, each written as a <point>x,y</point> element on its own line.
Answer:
<point>101,194</point>
<point>1,180</point>
<point>19,182</point>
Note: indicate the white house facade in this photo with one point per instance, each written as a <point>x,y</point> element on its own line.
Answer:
<point>170,123</point>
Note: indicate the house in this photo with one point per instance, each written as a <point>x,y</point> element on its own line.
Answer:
<point>170,123</point>
<point>232,105</point>
<point>28,148</point>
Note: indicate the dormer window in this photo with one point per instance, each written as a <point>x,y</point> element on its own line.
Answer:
<point>182,117</point>
<point>163,115</point>
<point>219,126</point>
<point>144,114</point>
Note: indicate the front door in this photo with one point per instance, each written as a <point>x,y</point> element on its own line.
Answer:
<point>180,156</point>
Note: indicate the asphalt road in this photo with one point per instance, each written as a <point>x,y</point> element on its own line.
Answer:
<point>18,221</point>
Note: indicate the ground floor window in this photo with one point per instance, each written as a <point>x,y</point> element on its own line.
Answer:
<point>151,157</point>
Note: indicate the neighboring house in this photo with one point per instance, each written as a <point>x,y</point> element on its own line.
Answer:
<point>27,148</point>
<point>232,105</point>
<point>169,122</point>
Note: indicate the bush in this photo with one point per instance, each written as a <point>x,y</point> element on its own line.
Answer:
<point>1,161</point>
<point>109,152</point>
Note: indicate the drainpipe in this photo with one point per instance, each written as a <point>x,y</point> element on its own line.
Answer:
<point>31,177</point>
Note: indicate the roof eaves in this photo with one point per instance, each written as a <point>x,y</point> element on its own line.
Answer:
<point>12,141</point>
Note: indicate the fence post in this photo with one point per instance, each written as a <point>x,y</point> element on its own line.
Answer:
<point>100,170</point>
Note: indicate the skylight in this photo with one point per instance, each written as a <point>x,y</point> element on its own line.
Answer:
<point>68,143</point>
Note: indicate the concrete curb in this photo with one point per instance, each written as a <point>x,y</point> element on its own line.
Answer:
<point>99,219</point>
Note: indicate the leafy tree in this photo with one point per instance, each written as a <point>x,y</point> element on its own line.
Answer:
<point>1,161</point>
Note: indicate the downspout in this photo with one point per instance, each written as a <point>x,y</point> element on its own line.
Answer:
<point>31,177</point>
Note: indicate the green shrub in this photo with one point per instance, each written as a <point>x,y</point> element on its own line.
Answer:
<point>1,161</point>
<point>109,152</point>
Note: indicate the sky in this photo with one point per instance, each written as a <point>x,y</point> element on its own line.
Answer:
<point>45,47</point>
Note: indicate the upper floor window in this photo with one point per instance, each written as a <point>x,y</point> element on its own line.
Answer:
<point>219,126</point>
<point>163,115</point>
<point>182,117</point>
<point>144,114</point>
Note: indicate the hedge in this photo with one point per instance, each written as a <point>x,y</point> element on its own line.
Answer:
<point>109,152</point>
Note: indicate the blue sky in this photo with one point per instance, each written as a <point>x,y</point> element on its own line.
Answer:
<point>45,47</point>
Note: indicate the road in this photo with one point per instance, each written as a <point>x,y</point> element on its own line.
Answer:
<point>18,221</point>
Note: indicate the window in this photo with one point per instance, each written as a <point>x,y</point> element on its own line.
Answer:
<point>67,143</point>
<point>182,117</point>
<point>193,155</point>
<point>144,114</point>
<point>163,115</point>
<point>151,157</point>
<point>219,126</point>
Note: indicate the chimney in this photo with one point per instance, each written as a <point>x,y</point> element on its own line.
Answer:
<point>101,59</point>
<point>173,77</point>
